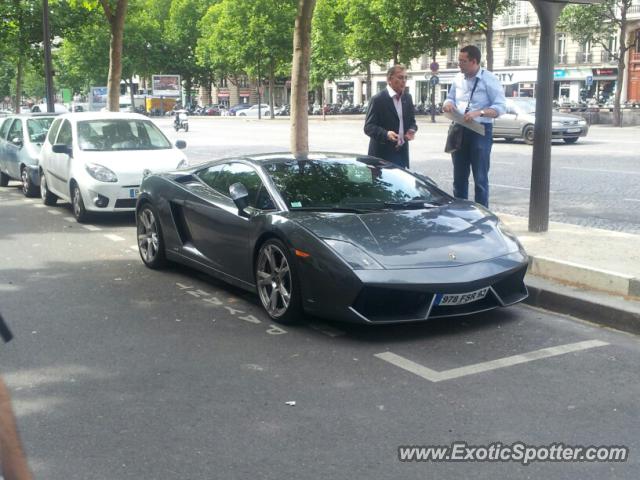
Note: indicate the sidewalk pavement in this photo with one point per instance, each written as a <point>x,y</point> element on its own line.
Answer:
<point>590,273</point>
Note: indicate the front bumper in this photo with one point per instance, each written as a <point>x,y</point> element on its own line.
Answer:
<point>109,197</point>
<point>569,132</point>
<point>411,295</point>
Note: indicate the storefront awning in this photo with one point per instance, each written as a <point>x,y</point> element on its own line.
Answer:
<point>571,73</point>
<point>509,77</point>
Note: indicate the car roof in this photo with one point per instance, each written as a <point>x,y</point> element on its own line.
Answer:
<point>82,116</point>
<point>283,157</point>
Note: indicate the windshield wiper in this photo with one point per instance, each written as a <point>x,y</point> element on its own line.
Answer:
<point>410,204</point>
<point>330,209</point>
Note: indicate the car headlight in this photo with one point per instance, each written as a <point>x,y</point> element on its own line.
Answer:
<point>556,124</point>
<point>100,173</point>
<point>582,123</point>
<point>183,164</point>
<point>355,257</point>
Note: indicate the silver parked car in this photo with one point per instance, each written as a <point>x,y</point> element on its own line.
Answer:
<point>520,118</point>
<point>21,138</point>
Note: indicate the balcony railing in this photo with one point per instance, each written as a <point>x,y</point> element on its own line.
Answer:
<point>514,62</point>
<point>510,20</point>
<point>584,57</point>
<point>561,59</point>
<point>633,9</point>
<point>452,64</point>
<point>606,57</point>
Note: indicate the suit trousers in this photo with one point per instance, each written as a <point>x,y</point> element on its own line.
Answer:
<point>474,156</point>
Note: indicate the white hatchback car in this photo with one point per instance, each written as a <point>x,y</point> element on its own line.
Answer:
<point>97,160</point>
<point>253,110</point>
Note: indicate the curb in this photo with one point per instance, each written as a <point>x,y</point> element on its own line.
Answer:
<point>600,308</point>
<point>603,280</point>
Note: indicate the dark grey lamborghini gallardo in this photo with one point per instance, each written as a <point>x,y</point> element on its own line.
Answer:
<point>339,236</point>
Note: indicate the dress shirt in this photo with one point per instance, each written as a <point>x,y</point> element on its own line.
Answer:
<point>488,94</point>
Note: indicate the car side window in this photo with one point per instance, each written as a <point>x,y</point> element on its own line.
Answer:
<point>51,136</point>
<point>210,175</point>
<point>15,131</point>
<point>236,172</point>
<point>64,136</point>
<point>5,128</point>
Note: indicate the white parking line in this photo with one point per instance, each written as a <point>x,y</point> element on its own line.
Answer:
<point>134,247</point>
<point>601,170</point>
<point>113,237</point>
<point>494,162</point>
<point>69,219</point>
<point>54,212</point>
<point>91,228</point>
<point>38,205</point>
<point>632,199</point>
<point>435,376</point>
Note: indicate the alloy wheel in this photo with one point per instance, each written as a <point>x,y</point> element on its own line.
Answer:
<point>148,241</point>
<point>274,280</point>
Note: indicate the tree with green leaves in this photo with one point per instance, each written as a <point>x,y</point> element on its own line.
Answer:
<point>481,14</point>
<point>597,24</point>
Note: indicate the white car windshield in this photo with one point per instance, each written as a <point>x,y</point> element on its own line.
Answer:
<point>120,134</point>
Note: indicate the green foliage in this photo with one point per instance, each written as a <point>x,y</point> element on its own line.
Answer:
<point>591,23</point>
<point>328,54</point>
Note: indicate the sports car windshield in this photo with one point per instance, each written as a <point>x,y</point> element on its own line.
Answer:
<point>120,134</point>
<point>350,184</point>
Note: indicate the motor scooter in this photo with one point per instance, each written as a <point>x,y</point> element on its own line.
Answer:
<point>181,120</point>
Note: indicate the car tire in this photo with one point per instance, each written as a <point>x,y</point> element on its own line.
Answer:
<point>150,239</point>
<point>186,128</point>
<point>77,204</point>
<point>4,179</point>
<point>570,140</point>
<point>242,114</point>
<point>48,198</point>
<point>527,134</point>
<point>277,283</point>
<point>28,188</point>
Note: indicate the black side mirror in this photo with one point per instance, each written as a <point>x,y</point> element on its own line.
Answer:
<point>240,197</point>
<point>181,144</point>
<point>17,141</point>
<point>62,148</point>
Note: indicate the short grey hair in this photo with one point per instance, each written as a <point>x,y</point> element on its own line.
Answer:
<point>395,69</point>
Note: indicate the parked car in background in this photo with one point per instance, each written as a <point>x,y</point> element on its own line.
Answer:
<point>253,110</point>
<point>212,110</point>
<point>21,138</point>
<point>236,108</point>
<point>519,120</point>
<point>97,160</point>
<point>57,108</point>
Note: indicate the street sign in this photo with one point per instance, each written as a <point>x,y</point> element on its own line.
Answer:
<point>589,80</point>
<point>434,80</point>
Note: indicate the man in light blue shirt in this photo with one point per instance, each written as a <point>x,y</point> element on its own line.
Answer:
<point>478,95</point>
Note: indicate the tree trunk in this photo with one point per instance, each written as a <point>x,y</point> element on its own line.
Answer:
<point>116,24</point>
<point>489,37</point>
<point>300,78</point>
<point>19,75</point>
<point>369,91</point>
<point>133,101</point>
<point>622,50</point>
<point>188,84</point>
<point>272,85</point>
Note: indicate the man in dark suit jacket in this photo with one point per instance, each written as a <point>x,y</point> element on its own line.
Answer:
<point>389,136</point>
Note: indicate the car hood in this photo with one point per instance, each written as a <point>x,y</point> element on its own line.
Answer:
<point>455,234</point>
<point>136,161</point>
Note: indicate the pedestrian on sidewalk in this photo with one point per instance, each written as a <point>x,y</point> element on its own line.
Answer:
<point>390,121</point>
<point>477,94</point>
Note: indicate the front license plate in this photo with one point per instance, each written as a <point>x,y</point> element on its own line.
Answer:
<point>573,130</point>
<point>134,192</point>
<point>461,298</point>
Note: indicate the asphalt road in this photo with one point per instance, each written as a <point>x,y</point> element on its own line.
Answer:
<point>594,182</point>
<point>120,372</point>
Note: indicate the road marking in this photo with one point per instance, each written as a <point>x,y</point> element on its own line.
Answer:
<point>54,212</point>
<point>601,170</point>
<point>134,247</point>
<point>632,199</point>
<point>114,238</point>
<point>69,219</point>
<point>502,163</point>
<point>38,205</point>
<point>508,186</point>
<point>435,376</point>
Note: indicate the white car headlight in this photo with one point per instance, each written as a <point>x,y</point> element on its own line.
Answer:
<point>183,164</point>
<point>103,174</point>
<point>582,123</point>
<point>556,124</point>
<point>354,256</point>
